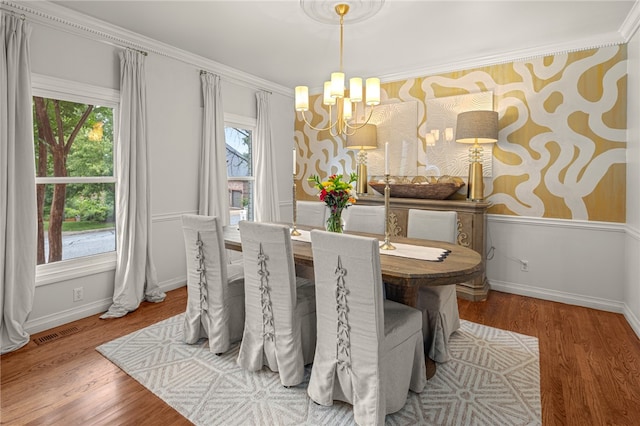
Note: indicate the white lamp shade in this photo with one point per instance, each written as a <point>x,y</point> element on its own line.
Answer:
<point>373,91</point>
<point>347,111</point>
<point>327,99</point>
<point>477,127</point>
<point>365,137</point>
<point>302,98</point>
<point>355,89</point>
<point>337,84</point>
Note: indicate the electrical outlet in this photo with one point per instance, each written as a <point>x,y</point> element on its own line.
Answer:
<point>524,265</point>
<point>78,294</point>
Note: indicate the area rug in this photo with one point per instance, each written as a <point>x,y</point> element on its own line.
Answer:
<point>493,379</point>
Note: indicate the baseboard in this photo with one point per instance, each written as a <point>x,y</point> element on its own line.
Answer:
<point>633,320</point>
<point>173,283</point>
<point>60,318</point>
<point>93,308</point>
<point>558,296</point>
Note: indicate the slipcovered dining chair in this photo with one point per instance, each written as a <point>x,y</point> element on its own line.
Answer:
<point>215,288</point>
<point>280,325</point>
<point>369,219</point>
<point>311,213</point>
<point>439,304</point>
<point>369,351</point>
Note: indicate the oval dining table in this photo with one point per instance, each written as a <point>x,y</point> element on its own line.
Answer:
<point>402,275</point>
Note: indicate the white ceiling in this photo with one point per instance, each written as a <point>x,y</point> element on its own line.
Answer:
<point>277,41</point>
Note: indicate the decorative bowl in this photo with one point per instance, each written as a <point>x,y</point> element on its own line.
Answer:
<point>430,191</point>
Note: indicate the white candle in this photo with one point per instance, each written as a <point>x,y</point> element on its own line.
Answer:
<point>294,161</point>
<point>386,158</point>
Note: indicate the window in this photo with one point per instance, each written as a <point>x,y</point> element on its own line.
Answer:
<point>75,181</point>
<point>239,145</point>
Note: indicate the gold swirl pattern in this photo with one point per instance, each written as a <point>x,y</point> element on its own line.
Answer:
<point>562,140</point>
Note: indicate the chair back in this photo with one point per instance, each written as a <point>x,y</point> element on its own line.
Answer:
<point>348,293</point>
<point>272,332</point>
<point>311,213</point>
<point>433,225</point>
<point>369,351</point>
<point>207,282</point>
<point>369,219</point>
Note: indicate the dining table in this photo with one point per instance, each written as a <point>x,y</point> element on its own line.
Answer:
<point>402,275</point>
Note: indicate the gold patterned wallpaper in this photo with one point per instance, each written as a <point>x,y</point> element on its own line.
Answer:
<point>562,138</point>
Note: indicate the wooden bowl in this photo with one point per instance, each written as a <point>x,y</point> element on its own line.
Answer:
<point>430,191</point>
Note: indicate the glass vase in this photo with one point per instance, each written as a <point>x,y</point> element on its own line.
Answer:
<point>334,222</point>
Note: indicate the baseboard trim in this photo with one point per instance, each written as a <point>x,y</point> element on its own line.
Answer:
<point>558,296</point>
<point>48,322</point>
<point>60,318</point>
<point>633,320</point>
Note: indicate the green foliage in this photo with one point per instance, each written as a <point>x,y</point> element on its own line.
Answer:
<point>98,207</point>
<point>91,154</point>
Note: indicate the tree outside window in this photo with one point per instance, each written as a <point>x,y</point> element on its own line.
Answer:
<point>75,183</point>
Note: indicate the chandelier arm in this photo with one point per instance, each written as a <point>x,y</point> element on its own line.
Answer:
<point>331,125</point>
<point>358,126</point>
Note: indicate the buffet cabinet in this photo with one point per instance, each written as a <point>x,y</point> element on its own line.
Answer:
<point>471,230</point>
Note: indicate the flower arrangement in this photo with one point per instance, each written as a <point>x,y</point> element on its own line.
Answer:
<point>337,194</point>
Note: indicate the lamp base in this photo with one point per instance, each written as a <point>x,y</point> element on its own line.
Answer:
<point>361,183</point>
<point>475,184</point>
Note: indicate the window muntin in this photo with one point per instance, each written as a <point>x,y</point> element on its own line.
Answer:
<point>75,181</point>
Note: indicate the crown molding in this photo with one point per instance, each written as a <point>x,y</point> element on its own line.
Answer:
<point>631,23</point>
<point>453,65</point>
<point>610,39</point>
<point>59,17</point>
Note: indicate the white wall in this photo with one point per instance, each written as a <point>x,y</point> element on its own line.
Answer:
<point>175,113</point>
<point>576,262</point>
<point>632,243</point>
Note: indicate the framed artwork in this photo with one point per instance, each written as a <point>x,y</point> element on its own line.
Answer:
<point>397,123</point>
<point>439,153</point>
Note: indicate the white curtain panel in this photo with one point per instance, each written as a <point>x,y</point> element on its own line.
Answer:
<point>136,278</point>
<point>266,189</point>
<point>17,184</point>
<point>213,192</point>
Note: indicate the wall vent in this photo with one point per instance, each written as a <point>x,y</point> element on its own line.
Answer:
<point>56,335</point>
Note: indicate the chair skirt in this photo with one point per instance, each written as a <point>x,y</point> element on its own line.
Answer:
<point>440,318</point>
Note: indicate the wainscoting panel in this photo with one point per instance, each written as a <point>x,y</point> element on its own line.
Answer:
<point>576,262</point>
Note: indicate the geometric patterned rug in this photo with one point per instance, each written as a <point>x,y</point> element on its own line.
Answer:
<point>493,379</point>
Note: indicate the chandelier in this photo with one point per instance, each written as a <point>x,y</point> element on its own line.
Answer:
<point>334,95</point>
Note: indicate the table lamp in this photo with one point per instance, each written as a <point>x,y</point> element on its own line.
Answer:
<point>364,138</point>
<point>476,127</point>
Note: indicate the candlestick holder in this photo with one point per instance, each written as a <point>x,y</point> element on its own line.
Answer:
<point>294,231</point>
<point>387,244</point>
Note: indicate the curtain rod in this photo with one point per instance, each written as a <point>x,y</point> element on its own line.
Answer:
<point>142,52</point>
<point>13,12</point>
<point>203,72</point>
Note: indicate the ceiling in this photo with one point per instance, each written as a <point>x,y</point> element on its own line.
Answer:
<point>277,41</point>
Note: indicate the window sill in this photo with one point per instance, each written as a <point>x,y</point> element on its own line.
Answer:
<point>75,268</point>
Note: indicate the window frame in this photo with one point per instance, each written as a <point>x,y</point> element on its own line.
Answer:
<point>55,88</point>
<point>247,123</point>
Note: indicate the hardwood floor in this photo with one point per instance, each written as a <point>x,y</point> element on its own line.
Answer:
<point>589,364</point>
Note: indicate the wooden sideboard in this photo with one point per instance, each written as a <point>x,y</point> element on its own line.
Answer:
<point>471,230</point>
